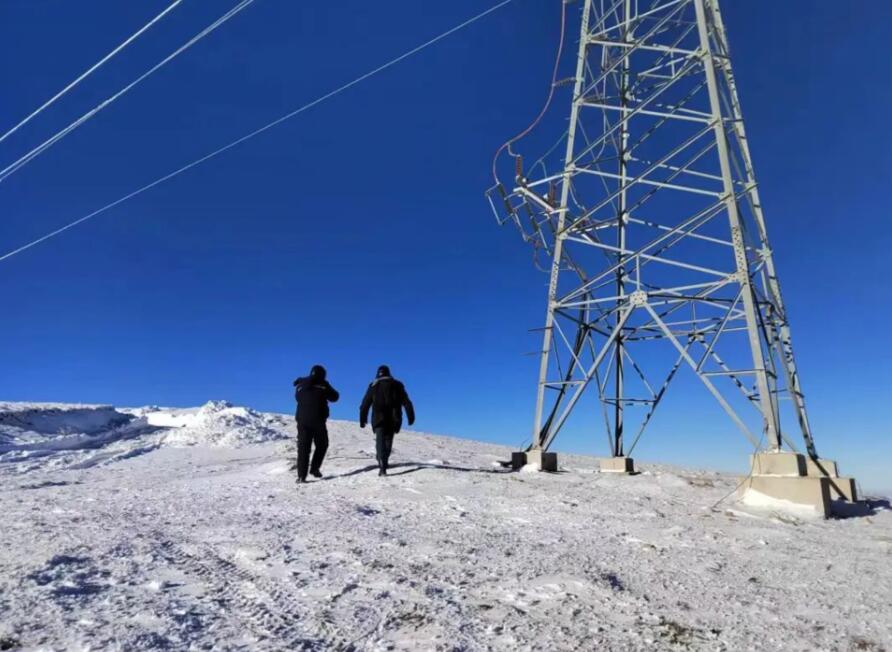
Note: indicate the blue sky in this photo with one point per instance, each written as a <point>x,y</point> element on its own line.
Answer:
<point>357,234</point>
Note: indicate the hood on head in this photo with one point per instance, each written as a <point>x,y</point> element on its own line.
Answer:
<point>317,373</point>
<point>383,371</point>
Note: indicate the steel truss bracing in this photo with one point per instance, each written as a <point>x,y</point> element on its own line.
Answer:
<point>649,212</point>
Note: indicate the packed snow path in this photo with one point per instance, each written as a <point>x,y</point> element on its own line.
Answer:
<point>119,540</point>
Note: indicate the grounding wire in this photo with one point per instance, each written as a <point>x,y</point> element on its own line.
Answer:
<point>256,132</point>
<point>37,151</point>
<point>90,70</point>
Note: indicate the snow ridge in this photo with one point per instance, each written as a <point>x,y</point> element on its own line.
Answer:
<point>54,435</point>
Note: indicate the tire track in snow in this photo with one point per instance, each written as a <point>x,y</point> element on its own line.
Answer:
<point>266,608</point>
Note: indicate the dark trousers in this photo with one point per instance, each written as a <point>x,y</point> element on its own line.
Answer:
<point>383,446</point>
<point>308,437</point>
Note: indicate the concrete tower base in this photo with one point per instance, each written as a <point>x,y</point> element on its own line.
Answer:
<point>618,465</point>
<point>798,479</point>
<point>840,488</point>
<point>544,460</point>
<point>810,492</point>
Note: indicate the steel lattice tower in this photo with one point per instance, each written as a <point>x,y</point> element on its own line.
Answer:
<point>649,213</point>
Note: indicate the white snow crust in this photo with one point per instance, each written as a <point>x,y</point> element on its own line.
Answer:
<point>753,498</point>
<point>182,529</point>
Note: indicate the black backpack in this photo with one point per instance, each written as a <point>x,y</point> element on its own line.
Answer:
<point>387,401</point>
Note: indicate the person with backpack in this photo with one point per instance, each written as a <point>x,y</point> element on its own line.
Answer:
<point>387,397</point>
<point>313,393</point>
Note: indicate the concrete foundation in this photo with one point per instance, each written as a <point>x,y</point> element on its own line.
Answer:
<point>821,467</point>
<point>840,488</point>
<point>618,465</point>
<point>804,490</point>
<point>843,489</point>
<point>800,479</point>
<point>544,460</point>
<point>780,463</point>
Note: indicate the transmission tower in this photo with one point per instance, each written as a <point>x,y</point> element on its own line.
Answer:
<point>647,212</point>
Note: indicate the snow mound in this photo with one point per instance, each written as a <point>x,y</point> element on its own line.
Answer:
<point>53,425</point>
<point>54,435</point>
<point>57,418</point>
<point>218,423</point>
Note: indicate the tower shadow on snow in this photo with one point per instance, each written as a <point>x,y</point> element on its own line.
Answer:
<point>841,509</point>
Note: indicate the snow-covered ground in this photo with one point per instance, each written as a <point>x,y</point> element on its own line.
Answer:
<point>154,528</point>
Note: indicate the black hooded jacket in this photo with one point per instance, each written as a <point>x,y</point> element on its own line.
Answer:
<point>313,394</point>
<point>387,397</point>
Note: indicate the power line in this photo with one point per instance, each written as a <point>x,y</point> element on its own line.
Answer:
<point>37,151</point>
<point>91,70</point>
<point>254,133</point>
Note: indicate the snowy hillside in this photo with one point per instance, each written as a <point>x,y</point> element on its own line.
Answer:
<point>154,528</point>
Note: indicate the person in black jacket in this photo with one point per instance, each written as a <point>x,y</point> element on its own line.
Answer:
<point>313,394</point>
<point>387,397</point>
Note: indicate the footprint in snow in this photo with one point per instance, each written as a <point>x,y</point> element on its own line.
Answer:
<point>68,576</point>
<point>365,510</point>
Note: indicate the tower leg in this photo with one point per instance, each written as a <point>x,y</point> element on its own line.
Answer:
<point>540,437</point>
<point>766,405</point>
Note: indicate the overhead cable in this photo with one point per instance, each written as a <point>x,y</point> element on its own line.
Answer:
<point>34,153</point>
<point>254,133</point>
<point>91,70</point>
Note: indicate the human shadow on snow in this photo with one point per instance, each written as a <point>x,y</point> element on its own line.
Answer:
<point>415,466</point>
